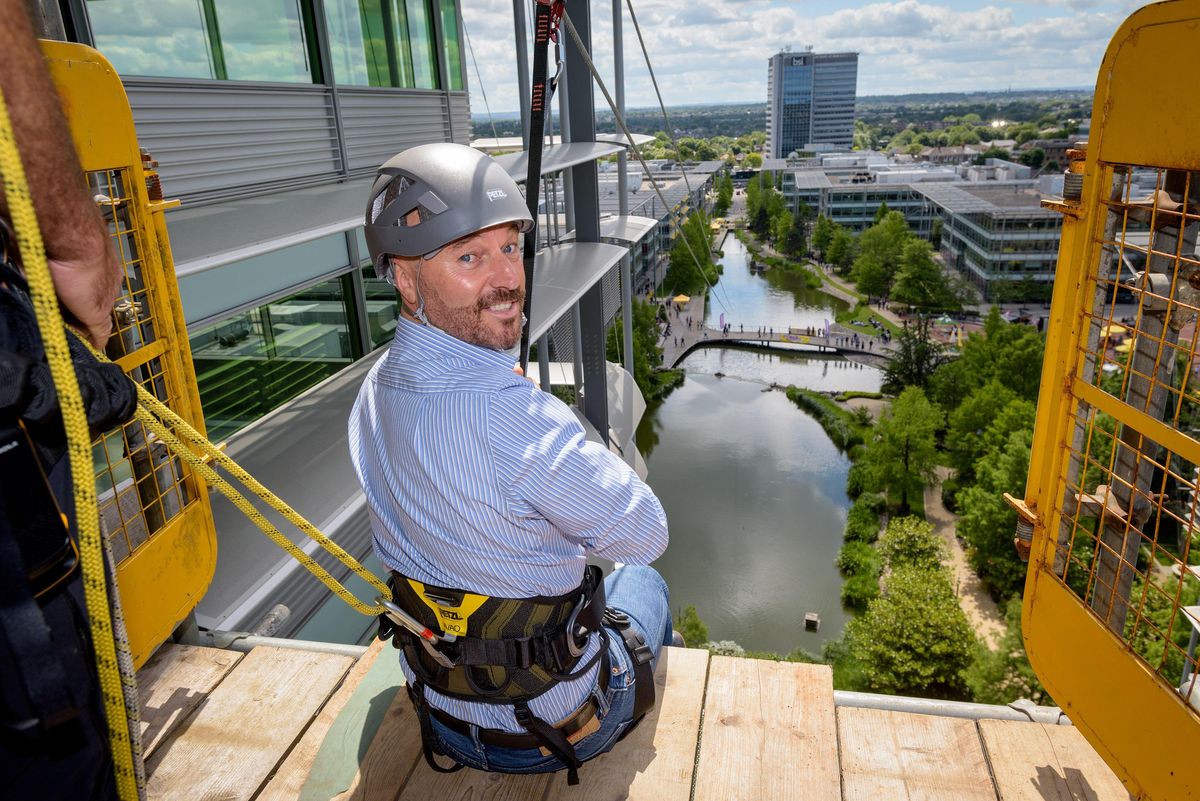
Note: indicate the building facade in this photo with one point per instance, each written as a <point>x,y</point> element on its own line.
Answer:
<point>810,100</point>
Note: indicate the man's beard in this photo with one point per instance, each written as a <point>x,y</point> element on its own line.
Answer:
<point>467,322</point>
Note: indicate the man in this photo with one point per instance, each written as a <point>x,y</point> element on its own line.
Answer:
<point>485,498</point>
<point>53,739</point>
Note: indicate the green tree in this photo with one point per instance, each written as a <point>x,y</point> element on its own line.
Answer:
<point>754,160</point>
<point>994,152</point>
<point>724,194</point>
<point>647,355</point>
<point>915,358</point>
<point>781,225</point>
<point>879,251</point>
<point>691,267</point>
<point>822,234</point>
<point>920,281</point>
<point>912,640</point>
<point>1007,352</point>
<point>1005,675</point>
<point>842,249</point>
<point>987,523</point>
<point>1033,157</point>
<point>903,456</point>
<point>880,213</point>
<point>969,422</point>
<point>910,542</point>
<point>795,243</point>
<point>689,624</point>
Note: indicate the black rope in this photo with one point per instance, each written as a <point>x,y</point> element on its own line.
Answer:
<point>538,100</point>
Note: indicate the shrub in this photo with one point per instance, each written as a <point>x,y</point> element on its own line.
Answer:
<point>859,590</point>
<point>910,542</point>
<point>856,479</point>
<point>858,557</point>
<point>862,522</point>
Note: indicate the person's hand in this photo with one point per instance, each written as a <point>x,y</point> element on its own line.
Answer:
<point>517,369</point>
<point>87,289</point>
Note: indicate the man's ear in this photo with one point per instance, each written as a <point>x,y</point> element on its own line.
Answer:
<point>404,272</point>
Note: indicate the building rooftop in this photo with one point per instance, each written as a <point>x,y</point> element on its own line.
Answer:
<point>999,199</point>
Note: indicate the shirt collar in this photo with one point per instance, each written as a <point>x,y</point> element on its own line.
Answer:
<point>425,342</point>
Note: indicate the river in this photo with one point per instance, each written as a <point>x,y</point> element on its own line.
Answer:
<point>753,488</point>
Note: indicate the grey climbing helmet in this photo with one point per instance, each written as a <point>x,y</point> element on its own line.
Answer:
<point>456,190</point>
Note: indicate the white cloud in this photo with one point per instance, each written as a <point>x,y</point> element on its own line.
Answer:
<point>713,50</point>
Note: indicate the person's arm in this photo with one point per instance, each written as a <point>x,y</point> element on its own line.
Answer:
<point>588,494</point>
<point>82,262</point>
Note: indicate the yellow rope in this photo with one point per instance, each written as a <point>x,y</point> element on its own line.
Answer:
<point>147,402</point>
<point>41,289</point>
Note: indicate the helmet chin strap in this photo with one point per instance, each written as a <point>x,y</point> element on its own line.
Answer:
<point>419,312</point>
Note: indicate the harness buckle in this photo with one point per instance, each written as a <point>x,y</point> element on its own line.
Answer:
<point>574,647</point>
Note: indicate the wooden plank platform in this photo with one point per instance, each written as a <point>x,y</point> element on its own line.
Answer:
<point>291,725</point>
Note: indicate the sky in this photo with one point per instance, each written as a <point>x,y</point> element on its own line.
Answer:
<point>706,51</point>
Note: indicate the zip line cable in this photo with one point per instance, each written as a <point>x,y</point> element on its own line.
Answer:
<point>587,59</point>
<point>479,77</point>
<point>662,106</point>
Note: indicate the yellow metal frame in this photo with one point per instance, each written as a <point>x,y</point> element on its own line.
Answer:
<point>163,578</point>
<point>1146,112</point>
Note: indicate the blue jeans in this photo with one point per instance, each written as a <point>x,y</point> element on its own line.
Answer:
<point>639,592</point>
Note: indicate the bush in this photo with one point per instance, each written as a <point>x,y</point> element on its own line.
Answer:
<point>849,395</point>
<point>874,501</point>
<point>840,425</point>
<point>858,557</point>
<point>910,542</point>
<point>859,590</point>
<point>862,522</point>
<point>950,489</point>
<point>856,478</point>
<point>689,624</point>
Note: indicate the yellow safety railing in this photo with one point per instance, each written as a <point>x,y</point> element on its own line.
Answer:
<point>154,510</point>
<point>151,473</point>
<point>1113,497</point>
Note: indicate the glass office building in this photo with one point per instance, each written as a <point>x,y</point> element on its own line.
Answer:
<point>810,100</point>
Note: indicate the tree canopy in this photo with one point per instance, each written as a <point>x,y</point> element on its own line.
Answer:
<point>879,251</point>
<point>914,639</point>
<point>692,269</point>
<point>903,455</point>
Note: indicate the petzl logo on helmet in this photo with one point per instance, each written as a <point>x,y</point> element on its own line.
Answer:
<point>495,194</point>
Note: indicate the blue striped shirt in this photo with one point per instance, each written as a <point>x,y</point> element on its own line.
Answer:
<point>476,479</point>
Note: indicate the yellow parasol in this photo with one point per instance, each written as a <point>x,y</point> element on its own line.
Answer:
<point>1112,328</point>
<point>680,299</point>
<point>1124,347</point>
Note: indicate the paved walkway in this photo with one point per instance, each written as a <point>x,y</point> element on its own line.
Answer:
<point>979,607</point>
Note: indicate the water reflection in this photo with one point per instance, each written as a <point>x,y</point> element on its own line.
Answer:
<point>755,496</point>
<point>753,488</point>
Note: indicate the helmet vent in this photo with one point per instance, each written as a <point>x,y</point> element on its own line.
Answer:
<point>427,206</point>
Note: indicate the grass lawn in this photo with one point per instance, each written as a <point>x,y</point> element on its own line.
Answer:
<point>857,318</point>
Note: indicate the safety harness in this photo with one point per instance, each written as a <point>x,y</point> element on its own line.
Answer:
<point>509,651</point>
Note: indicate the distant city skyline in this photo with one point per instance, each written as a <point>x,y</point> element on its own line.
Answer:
<point>712,51</point>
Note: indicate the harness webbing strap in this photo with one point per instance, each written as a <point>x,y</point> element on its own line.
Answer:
<point>550,738</point>
<point>545,22</point>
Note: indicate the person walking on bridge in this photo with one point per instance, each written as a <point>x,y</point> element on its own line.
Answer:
<point>486,498</point>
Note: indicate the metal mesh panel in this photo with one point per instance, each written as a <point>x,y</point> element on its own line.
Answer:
<point>139,486</point>
<point>1128,534</point>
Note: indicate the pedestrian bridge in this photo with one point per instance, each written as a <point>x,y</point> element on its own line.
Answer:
<point>682,341</point>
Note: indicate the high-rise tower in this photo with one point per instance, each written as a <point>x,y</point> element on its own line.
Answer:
<point>810,100</point>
